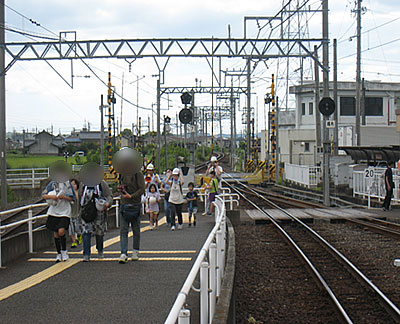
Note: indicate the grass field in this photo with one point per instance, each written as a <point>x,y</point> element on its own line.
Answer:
<point>17,161</point>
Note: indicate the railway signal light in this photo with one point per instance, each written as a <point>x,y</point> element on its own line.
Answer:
<point>326,106</point>
<point>186,98</point>
<point>185,116</point>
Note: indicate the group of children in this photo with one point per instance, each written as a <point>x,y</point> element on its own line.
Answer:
<point>153,199</point>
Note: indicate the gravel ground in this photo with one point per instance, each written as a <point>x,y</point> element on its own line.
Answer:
<point>273,286</point>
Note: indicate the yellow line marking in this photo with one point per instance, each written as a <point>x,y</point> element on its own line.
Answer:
<point>116,259</point>
<point>36,278</point>
<point>57,268</point>
<point>141,252</point>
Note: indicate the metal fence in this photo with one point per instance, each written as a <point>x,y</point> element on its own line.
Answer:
<point>374,186</point>
<point>26,178</point>
<point>210,263</point>
<point>308,176</point>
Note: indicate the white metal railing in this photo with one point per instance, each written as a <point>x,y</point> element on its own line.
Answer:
<point>309,176</point>
<point>375,186</point>
<point>210,263</point>
<point>31,220</point>
<point>26,178</point>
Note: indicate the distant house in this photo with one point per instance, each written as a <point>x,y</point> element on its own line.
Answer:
<point>78,138</point>
<point>45,144</point>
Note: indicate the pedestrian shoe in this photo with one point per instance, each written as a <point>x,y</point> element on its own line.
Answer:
<point>100,255</point>
<point>204,214</point>
<point>79,239</point>
<point>209,214</point>
<point>135,255</point>
<point>172,228</point>
<point>64,255</point>
<point>59,258</point>
<point>180,226</point>
<point>151,227</point>
<point>194,223</point>
<point>74,245</point>
<point>86,258</point>
<point>123,258</point>
<point>190,224</point>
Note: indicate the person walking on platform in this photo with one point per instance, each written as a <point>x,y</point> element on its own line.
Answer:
<point>94,200</point>
<point>389,185</point>
<point>131,187</point>
<point>152,205</point>
<point>165,187</point>
<point>214,166</point>
<point>152,178</point>
<point>213,187</point>
<point>59,195</point>
<point>75,227</point>
<point>176,200</point>
<point>191,198</point>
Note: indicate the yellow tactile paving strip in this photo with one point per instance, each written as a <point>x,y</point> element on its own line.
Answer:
<point>60,267</point>
<point>141,252</point>
<point>36,278</point>
<point>116,259</point>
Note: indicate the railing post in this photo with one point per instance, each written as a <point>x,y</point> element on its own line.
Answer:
<point>117,213</point>
<point>33,178</point>
<point>30,232</point>
<point>213,284</point>
<point>184,316</point>
<point>204,293</point>
<point>219,260</point>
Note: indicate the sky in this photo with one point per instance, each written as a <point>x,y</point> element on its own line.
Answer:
<point>37,98</point>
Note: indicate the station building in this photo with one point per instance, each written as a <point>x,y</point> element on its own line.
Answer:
<point>297,127</point>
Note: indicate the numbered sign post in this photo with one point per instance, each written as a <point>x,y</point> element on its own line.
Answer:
<point>369,175</point>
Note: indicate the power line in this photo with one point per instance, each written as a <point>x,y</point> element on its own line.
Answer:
<point>372,48</point>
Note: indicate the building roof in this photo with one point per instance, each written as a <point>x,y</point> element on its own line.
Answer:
<point>372,153</point>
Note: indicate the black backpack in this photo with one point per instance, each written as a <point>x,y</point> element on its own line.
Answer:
<point>89,210</point>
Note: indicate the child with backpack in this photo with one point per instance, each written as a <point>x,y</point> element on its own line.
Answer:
<point>94,201</point>
<point>213,187</point>
<point>152,207</point>
<point>191,198</point>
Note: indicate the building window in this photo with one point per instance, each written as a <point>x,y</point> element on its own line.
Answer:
<point>310,108</point>
<point>347,106</point>
<point>303,108</point>
<point>306,147</point>
<point>373,106</point>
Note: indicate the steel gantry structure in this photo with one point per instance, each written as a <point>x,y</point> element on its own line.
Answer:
<point>246,48</point>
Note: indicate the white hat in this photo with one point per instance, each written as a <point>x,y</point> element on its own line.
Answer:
<point>175,171</point>
<point>150,167</point>
<point>152,200</point>
<point>213,159</point>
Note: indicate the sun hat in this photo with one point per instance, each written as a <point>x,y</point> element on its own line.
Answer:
<point>175,171</point>
<point>152,200</point>
<point>213,159</point>
<point>52,202</point>
<point>150,167</point>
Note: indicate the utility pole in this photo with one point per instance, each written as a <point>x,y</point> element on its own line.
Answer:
<point>277,160</point>
<point>232,137</point>
<point>325,62</point>
<point>3,157</point>
<point>248,110</point>
<point>358,75</point>
<point>335,99</point>
<point>316,99</point>
<point>158,124</point>
<point>101,133</point>
<point>109,101</point>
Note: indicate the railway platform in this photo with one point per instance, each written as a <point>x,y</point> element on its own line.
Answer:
<point>37,289</point>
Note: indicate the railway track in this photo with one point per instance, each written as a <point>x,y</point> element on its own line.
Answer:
<point>354,297</point>
<point>378,226</point>
<point>203,166</point>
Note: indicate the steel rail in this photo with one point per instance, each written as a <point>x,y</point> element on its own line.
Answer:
<point>343,316</point>
<point>377,228</point>
<point>390,307</point>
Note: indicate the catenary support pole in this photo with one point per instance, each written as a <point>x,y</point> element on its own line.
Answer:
<point>248,136</point>
<point>101,133</point>
<point>335,99</point>
<point>325,62</point>
<point>3,159</point>
<point>358,75</point>
<point>158,125</point>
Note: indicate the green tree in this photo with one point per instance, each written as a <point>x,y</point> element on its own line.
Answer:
<point>127,132</point>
